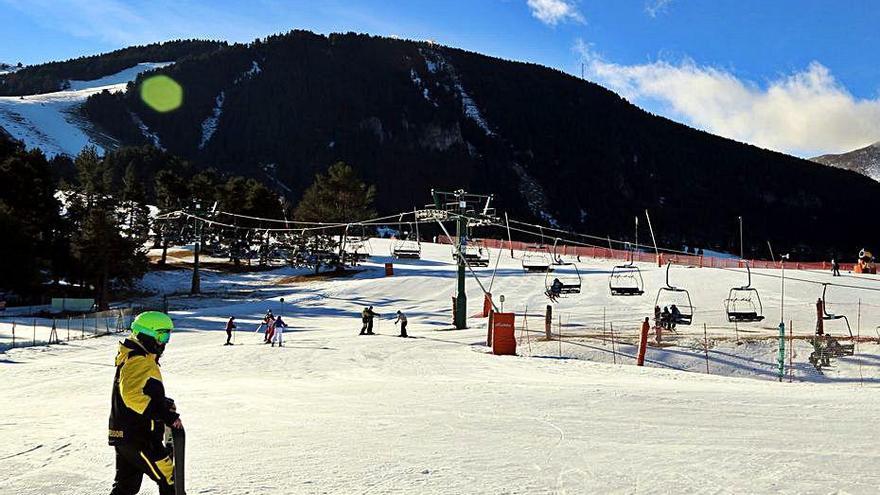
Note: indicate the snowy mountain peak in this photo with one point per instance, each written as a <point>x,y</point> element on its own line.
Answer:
<point>865,161</point>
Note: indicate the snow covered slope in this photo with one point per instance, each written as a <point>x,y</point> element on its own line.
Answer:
<point>333,412</point>
<point>50,121</point>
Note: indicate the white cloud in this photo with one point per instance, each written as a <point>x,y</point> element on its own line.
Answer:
<point>552,12</point>
<point>656,7</point>
<point>805,113</point>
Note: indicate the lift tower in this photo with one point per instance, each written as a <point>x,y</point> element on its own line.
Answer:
<point>468,210</point>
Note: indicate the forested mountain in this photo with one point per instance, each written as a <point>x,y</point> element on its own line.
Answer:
<point>53,76</point>
<point>865,161</point>
<point>410,116</point>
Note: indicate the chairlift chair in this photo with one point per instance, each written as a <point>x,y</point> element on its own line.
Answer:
<point>474,255</point>
<point>669,296</point>
<point>404,248</point>
<point>626,280</point>
<point>571,282</point>
<point>743,304</point>
<point>536,259</point>
<point>830,316</point>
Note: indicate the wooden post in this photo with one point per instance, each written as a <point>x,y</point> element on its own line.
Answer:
<point>13,334</point>
<point>548,322</point>
<point>643,342</point>
<point>489,330</point>
<point>559,334</point>
<point>790,350</point>
<point>706,346</point>
<point>68,328</point>
<point>82,330</point>
<point>34,342</point>
<point>613,350</point>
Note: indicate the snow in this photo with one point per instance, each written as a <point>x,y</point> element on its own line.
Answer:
<point>417,81</point>
<point>435,61</point>
<point>250,73</point>
<point>209,125</point>
<point>51,122</point>
<point>151,136</point>
<point>333,412</point>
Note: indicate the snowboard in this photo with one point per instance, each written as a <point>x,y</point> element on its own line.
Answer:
<point>177,442</point>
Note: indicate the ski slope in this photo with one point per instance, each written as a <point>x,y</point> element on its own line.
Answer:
<point>333,412</point>
<point>50,121</point>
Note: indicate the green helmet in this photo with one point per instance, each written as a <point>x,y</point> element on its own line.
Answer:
<point>153,323</point>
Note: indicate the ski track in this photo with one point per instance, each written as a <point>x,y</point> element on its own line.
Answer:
<point>334,412</point>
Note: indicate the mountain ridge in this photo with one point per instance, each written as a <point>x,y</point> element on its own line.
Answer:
<point>411,116</point>
<point>865,161</point>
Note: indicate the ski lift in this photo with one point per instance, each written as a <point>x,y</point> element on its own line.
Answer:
<point>743,304</point>
<point>474,255</point>
<point>626,280</point>
<point>557,258</point>
<point>536,259</point>
<point>678,297</point>
<point>569,281</point>
<point>407,248</point>
<point>826,316</point>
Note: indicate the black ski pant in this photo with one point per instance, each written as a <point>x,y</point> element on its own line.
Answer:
<point>132,464</point>
<point>364,328</point>
<point>370,326</point>
<point>403,329</point>
<point>228,336</point>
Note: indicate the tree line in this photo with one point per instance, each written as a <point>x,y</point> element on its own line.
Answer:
<point>83,226</point>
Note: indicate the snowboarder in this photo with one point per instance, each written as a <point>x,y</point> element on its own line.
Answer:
<point>367,318</point>
<point>139,410</point>
<point>230,326</point>
<point>278,331</point>
<point>402,319</point>
<point>835,267</point>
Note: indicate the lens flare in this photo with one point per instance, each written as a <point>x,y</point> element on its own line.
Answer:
<point>161,93</point>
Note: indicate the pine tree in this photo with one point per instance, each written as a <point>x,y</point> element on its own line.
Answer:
<point>136,214</point>
<point>338,197</point>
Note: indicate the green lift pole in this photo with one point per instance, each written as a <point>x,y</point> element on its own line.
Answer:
<point>461,298</point>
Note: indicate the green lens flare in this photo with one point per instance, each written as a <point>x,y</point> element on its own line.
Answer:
<point>161,93</point>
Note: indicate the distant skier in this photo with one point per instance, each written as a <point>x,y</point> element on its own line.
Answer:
<point>139,410</point>
<point>278,333</point>
<point>230,326</point>
<point>401,318</point>
<point>835,267</point>
<point>367,316</point>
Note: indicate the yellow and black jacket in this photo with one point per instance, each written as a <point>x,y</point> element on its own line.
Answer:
<point>139,410</point>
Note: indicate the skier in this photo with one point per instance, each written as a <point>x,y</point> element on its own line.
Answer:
<point>139,409</point>
<point>402,319</point>
<point>267,320</point>
<point>835,268</point>
<point>367,318</point>
<point>666,318</point>
<point>676,316</point>
<point>278,331</point>
<point>270,331</point>
<point>230,326</point>
<point>555,290</point>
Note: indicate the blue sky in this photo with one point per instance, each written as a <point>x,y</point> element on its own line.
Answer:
<point>796,76</point>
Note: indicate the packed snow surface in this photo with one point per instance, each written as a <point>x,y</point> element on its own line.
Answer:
<point>50,121</point>
<point>334,412</point>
